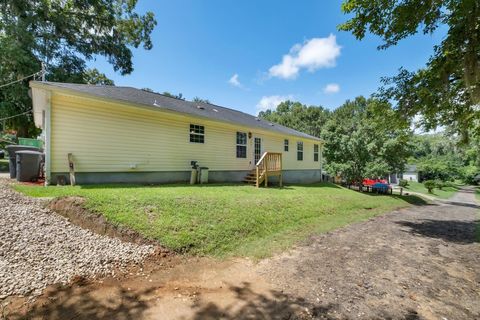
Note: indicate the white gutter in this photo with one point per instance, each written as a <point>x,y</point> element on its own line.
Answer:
<point>321,162</point>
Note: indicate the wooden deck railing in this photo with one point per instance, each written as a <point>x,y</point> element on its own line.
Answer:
<point>270,164</point>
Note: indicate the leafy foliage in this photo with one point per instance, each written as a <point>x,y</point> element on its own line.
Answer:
<point>64,35</point>
<point>403,183</point>
<point>175,96</point>
<point>359,143</point>
<point>440,157</point>
<point>430,185</point>
<point>447,90</point>
<point>198,99</point>
<point>308,119</point>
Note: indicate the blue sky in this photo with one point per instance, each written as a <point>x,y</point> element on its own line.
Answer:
<point>200,45</point>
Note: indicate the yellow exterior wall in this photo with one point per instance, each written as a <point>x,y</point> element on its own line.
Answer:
<point>113,137</point>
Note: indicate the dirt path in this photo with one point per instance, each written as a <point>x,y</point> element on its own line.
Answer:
<point>417,263</point>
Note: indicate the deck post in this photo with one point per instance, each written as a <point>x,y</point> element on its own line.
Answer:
<point>258,177</point>
<point>266,170</point>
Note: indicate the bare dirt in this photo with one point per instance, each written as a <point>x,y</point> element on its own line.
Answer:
<point>418,263</point>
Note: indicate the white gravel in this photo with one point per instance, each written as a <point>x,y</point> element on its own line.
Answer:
<point>39,247</point>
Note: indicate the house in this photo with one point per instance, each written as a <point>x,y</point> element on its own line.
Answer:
<point>122,134</point>
<point>410,173</point>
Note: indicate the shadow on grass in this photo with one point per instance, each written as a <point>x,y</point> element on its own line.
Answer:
<point>456,231</point>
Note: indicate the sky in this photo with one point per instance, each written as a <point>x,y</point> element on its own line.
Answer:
<point>251,55</point>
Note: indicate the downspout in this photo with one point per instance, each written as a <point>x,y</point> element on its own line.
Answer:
<point>321,162</point>
<point>48,146</point>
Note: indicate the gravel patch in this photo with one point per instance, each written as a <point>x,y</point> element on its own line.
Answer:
<point>39,247</point>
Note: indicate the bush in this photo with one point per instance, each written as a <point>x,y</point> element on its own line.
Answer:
<point>430,185</point>
<point>469,173</point>
<point>439,184</point>
<point>403,183</point>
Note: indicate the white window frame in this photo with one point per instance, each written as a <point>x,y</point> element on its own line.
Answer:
<point>299,150</point>
<point>241,144</point>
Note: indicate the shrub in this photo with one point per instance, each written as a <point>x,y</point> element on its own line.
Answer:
<point>403,183</point>
<point>430,185</point>
<point>439,184</point>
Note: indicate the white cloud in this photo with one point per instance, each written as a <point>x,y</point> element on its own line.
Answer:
<point>271,102</point>
<point>331,88</point>
<point>234,81</point>
<point>313,54</point>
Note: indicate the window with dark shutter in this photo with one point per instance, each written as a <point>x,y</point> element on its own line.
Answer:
<point>285,145</point>
<point>315,152</point>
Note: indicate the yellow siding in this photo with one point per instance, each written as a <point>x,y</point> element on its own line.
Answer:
<point>111,137</point>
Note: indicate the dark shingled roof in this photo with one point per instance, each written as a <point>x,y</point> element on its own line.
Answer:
<point>162,102</point>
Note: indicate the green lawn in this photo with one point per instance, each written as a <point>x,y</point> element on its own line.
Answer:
<point>225,220</point>
<point>445,193</point>
<point>3,165</point>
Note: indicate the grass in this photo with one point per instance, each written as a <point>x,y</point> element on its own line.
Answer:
<point>3,165</point>
<point>445,193</point>
<point>223,220</point>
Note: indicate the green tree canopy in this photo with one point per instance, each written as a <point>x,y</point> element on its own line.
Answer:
<point>308,119</point>
<point>198,99</point>
<point>447,90</point>
<point>64,34</point>
<point>360,141</point>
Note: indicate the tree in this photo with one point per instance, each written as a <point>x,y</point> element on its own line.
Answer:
<point>175,96</point>
<point>361,143</point>
<point>64,35</point>
<point>200,100</point>
<point>447,90</point>
<point>308,119</point>
<point>440,157</point>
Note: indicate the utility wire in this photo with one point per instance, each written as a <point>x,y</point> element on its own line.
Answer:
<point>32,75</point>
<point>17,115</point>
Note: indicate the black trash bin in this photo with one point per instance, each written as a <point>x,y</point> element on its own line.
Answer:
<point>12,149</point>
<point>28,165</point>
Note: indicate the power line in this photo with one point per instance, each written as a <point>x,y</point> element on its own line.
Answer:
<point>32,75</point>
<point>17,115</point>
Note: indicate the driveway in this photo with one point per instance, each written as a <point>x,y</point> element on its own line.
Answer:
<point>418,263</point>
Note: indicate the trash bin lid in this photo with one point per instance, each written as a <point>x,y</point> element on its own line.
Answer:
<point>29,152</point>
<point>16,147</point>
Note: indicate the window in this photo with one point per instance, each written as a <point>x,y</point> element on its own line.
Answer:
<point>315,152</point>
<point>300,151</point>
<point>285,145</point>
<point>197,133</point>
<point>241,144</point>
